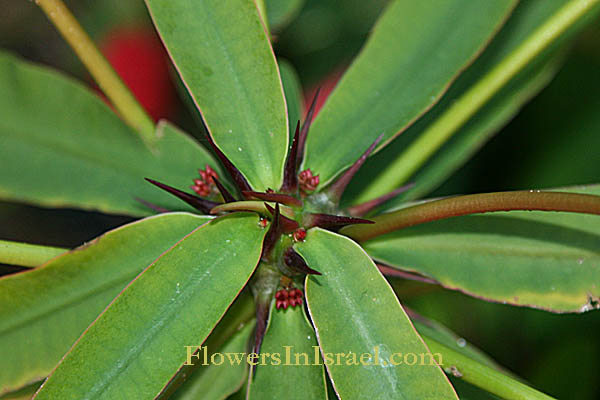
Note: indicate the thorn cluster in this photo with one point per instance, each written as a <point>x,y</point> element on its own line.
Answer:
<point>308,182</point>
<point>278,257</point>
<point>299,235</point>
<point>290,297</point>
<point>205,186</point>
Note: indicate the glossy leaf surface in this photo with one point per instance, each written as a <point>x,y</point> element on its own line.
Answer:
<point>45,310</point>
<point>141,336</point>
<point>225,59</point>
<point>355,312</point>
<point>62,146</point>
<point>415,51</point>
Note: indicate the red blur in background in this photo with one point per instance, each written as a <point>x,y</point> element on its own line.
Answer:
<point>138,56</point>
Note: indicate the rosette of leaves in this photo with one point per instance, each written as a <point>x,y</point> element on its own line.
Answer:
<point>263,253</point>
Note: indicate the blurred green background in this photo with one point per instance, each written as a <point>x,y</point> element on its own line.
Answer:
<point>554,141</point>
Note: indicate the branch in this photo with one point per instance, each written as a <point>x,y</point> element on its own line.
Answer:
<point>473,204</point>
<point>105,76</point>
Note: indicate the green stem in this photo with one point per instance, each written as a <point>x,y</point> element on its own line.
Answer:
<point>440,131</point>
<point>105,76</point>
<point>249,205</point>
<point>482,376</point>
<point>27,255</point>
<point>472,204</point>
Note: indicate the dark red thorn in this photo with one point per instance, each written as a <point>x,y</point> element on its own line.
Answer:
<point>152,206</point>
<point>299,235</point>
<point>336,190</point>
<point>273,234</point>
<point>328,221</point>
<point>305,128</point>
<point>295,261</point>
<point>274,197</point>
<point>227,197</point>
<point>290,173</point>
<point>396,273</point>
<point>198,203</point>
<point>287,224</point>
<point>235,173</point>
<point>362,209</point>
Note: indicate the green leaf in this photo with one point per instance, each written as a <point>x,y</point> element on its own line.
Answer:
<point>175,302</point>
<point>527,17</point>
<point>416,50</point>
<point>61,146</point>
<point>293,95</point>
<point>535,31</point>
<point>25,254</point>
<point>190,378</point>
<point>293,368</point>
<point>221,378</point>
<point>224,57</point>
<point>282,12</point>
<point>46,309</point>
<point>355,312</point>
<point>545,260</point>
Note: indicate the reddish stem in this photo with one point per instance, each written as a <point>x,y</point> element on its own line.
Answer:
<point>473,204</point>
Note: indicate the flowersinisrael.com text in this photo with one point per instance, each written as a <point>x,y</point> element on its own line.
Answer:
<point>288,356</point>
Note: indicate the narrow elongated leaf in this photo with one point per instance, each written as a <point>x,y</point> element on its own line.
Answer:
<point>222,377</point>
<point>293,368</point>
<point>240,314</point>
<point>414,53</point>
<point>487,94</point>
<point>44,311</point>
<point>61,146</point>
<point>224,57</point>
<point>545,260</point>
<point>293,95</point>
<point>361,326</point>
<point>175,302</point>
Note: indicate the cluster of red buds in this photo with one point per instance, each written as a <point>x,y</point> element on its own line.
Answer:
<point>205,186</point>
<point>299,235</point>
<point>307,181</point>
<point>285,298</point>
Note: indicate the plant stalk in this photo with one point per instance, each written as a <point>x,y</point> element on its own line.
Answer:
<point>482,376</point>
<point>473,204</point>
<point>105,76</point>
<point>442,129</point>
<point>27,255</point>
